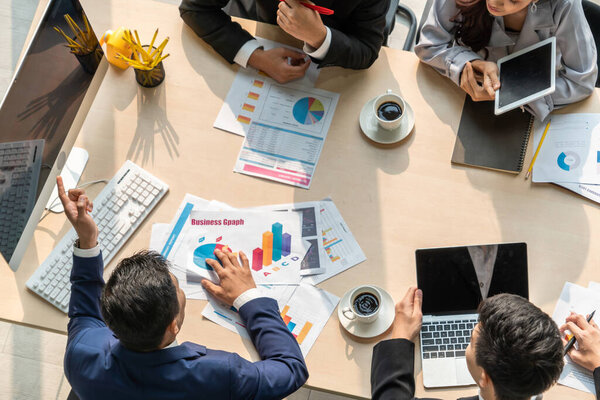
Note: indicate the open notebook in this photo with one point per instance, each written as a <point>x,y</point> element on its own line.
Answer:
<point>497,142</point>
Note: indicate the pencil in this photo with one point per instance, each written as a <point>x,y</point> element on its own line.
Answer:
<point>572,340</point>
<point>537,151</point>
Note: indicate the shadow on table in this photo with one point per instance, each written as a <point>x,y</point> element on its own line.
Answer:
<point>152,124</point>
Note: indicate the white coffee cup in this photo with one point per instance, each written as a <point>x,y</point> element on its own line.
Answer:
<point>367,310</point>
<point>385,98</point>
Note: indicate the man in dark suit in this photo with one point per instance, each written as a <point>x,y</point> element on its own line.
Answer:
<point>122,335</point>
<point>515,352</point>
<point>349,38</point>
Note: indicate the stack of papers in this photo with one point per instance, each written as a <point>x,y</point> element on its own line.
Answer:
<point>570,154</point>
<point>290,248</point>
<point>285,125</point>
<point>583,301</point>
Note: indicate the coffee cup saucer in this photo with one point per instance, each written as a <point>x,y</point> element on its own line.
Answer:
<point>372,130</point>
<point>373,329</point>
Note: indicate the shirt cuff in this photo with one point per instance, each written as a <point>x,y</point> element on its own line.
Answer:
<point>247,296</point>
<point>457,64</point>
<point>244,53</point>
<point>322,51</point>
<point>86,253</point>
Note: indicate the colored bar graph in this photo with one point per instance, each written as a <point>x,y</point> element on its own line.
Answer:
<point>291,326</point>
<point>253,96</point>
<point>277,229</point>
<point>248,107</point>
<point>287,319</point>
<point>258,83</point>
<point>244,120</point>
<point>305,329</point>
<point>257,259</point>
<point>286,244</point>
<point>284,312</point>
<point>267,247</point>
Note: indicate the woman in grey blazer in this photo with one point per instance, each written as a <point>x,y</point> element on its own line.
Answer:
<point>463,39</point>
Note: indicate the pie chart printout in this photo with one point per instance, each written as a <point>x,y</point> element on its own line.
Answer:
<point>207,251</point>
<point>308,111</point>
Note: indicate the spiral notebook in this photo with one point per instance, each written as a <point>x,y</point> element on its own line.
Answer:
<point>497,142</point>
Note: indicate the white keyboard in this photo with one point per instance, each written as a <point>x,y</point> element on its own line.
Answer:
<point>118,211</point>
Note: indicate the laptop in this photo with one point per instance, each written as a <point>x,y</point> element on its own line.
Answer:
<point>454,280</point>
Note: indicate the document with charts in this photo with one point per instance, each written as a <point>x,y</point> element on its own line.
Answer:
<point>305,313</point>
<point>249,90</point>
<point>583,301</point>
<point>285,139</point>
<point>272,241</point>
<point>342,249</point>
<point>571,150</point>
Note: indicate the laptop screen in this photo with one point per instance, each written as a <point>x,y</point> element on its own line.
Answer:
<point>456,279</point>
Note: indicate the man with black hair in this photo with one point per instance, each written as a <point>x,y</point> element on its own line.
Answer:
<point>122,335</point>
<point>515,352</point>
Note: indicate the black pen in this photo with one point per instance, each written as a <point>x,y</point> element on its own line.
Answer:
<point>572,340</point>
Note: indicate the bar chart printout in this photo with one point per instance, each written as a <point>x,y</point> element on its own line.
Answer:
<point>306,314</point>
<point>275,245</point>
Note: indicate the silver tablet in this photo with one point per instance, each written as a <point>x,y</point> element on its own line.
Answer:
<point>526,75</point>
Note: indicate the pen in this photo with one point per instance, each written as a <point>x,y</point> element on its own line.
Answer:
<point>537,151</point>
<point>320,10</point>
<point>572,340</point>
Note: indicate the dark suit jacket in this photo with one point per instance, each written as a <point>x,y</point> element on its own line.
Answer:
<point>99,367</point>
<point>392,372</point>
<point>356,27</point>
<point>465,290</point>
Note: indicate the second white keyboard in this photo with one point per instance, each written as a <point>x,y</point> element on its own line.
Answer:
<point>118,211</point>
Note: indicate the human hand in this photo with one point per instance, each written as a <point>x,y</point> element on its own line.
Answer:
<point>301,22</point>
<point>484,71</point>
<point>409,316</point>
<point>235,279</point>
<point>77,206</point>
<point>587,335</point>
<point>281,64</point>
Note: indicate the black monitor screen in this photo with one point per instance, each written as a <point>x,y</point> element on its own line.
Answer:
<point>37,114</point>
<point>525,75</point>
<point>457,279</point>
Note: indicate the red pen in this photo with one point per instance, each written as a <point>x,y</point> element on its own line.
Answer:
<point>319,9</point>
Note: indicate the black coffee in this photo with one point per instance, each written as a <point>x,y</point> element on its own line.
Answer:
<point>389,111</point>
<point>365,303</point>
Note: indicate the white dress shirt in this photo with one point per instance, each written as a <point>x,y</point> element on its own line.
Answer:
<point>484,258</point>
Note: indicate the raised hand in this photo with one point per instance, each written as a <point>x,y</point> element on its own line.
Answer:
<point>77,206</point>
<point>409,316</point>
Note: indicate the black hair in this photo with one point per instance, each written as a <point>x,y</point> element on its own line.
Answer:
<point>518,346</point>
<point>140,300</point>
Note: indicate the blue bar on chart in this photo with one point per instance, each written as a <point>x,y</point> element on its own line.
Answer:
<point>286,245</point>
<point>277,229</point>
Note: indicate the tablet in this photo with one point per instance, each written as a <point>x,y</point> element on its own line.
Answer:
<point>526,75</point>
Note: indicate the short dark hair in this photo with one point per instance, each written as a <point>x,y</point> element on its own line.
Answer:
<point>140,300</point>
<point>518,346</point>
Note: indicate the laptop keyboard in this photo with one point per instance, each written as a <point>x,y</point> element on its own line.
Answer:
<point>446,339</point>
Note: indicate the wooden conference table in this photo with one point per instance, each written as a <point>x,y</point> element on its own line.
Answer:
<point>394,198</point>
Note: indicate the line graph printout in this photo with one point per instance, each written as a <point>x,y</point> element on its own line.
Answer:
<point>341,247</point>
<point>305,313</point>
<point>272,242</point>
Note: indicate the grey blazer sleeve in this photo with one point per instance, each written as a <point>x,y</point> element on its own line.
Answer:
<point>214,26</point>
<point>576,77</point>
<point>437,45</point>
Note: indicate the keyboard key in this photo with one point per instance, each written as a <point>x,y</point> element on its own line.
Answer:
<point>424,328</point>
<point>454,327</point>
<point>436,334</point>
<point>427,342</point>
<point>441,354</point>
<point>438,341</point>
<point>430,348</point>
<point>459,353</point>
<point>446,341</point>
<point>434,355</point>
<point>439,328</point>
<point>453,340</point>
<point>444,334</point>
<point>426,335</point>
<point>464,346</point>
<point>442,347</point>
<point>447,327</point>
<point>450,334</point>
<point>461,340</point>
<point>466,333</point>
<point>449,354</point>
<point>470,325</point>
<point>461,326</point>
<point>425,356</point>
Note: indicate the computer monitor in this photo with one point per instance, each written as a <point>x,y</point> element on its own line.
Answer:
<point>40,117</point>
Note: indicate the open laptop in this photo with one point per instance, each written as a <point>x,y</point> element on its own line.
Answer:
<point>454,280</point>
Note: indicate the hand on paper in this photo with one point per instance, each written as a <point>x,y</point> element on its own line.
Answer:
<point>235,279</point>
<point>588,341</point>
<point>77,206</point>
<point>301,22</point>
<point>281,64</point>
<point>480,80</point>
<point>409,316</point>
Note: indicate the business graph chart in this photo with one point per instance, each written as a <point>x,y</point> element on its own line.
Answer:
<point>308,110</point>
<point>207,251</point>
<point>568,160</point>
<point>275,246</point>
<point>298,329</point>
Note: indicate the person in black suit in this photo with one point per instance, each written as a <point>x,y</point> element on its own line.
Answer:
<point>349,38</point>
<point>516,350</point>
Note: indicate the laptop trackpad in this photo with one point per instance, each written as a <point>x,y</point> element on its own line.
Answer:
<point>463,377</point>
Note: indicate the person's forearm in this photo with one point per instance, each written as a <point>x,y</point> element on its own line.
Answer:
<point>597,382</point>
<point>392,370</point>
<point>275,344</point>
